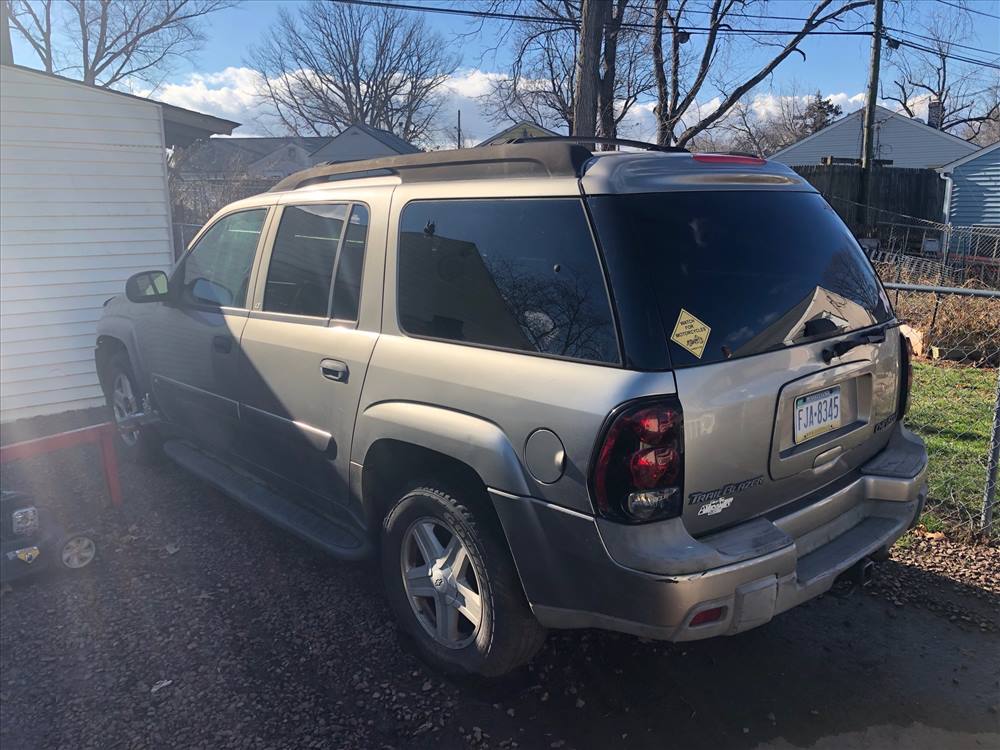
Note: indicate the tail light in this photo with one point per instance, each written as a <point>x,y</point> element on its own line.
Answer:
<point>638,473</point>
<point>905,375</point>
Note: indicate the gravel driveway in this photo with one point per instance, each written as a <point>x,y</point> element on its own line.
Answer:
<point>201,626</point>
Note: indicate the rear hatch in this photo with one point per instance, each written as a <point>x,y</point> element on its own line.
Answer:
<point>751,288</point>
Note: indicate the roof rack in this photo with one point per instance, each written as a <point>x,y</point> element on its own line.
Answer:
<point>585,139</point>
<point>545,157</point>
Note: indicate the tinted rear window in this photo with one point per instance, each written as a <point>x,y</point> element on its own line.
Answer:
<point>513,274</point>
<point>738,273</point>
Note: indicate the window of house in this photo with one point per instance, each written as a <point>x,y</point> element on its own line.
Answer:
<point>217,270</point>
<point>514,274</point>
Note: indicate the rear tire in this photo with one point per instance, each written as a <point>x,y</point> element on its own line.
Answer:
<point>124,399</point>
<point>452,585</point>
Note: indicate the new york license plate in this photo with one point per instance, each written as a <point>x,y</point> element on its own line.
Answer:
<point>816,414</point>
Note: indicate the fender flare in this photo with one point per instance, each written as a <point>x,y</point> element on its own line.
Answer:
<point>476,442</point>
<point>121,329</point>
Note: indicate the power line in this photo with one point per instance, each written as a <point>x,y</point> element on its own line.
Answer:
<point>949,43</point>
<point>969,10</point>
<point>950,56</point>
<point>571,24</point>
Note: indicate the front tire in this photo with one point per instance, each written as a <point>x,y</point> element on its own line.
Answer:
<point>125,400</point>
<point>452,585</point>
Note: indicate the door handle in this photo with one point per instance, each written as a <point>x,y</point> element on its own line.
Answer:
<point>222,344</point>
<point>334,369</point>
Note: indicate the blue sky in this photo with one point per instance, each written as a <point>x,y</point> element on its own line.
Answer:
<point>215,81</point>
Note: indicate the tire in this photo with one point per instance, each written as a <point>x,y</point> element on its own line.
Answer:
<point>143,445</point>
<point>507,634</point>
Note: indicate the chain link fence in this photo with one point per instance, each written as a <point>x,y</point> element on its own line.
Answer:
<point>944,282</point>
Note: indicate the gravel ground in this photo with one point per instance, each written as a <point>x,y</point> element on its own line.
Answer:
<point>202,626</point>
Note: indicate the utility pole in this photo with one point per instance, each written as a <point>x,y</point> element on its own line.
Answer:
<point>868,132</point>
<point>459,129</point>
<point>593,14</point>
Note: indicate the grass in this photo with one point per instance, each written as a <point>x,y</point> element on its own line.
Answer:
<point>952,410</point>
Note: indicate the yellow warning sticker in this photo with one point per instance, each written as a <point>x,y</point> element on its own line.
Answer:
<point>690,333</point>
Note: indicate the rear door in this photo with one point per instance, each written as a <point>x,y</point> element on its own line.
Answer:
<point>305,351</point>
<point>752,286</point>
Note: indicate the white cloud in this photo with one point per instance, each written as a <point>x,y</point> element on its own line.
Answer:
<point>228,93</point>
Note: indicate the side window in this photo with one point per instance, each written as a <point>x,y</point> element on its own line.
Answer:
<point>217,271</point>
<point>516,274</point>
<point>347,287</point>
<point>302,260</point>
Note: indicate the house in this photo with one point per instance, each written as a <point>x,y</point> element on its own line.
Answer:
<point>972,188</point>
<point>276,158</point>
<point>523,129</point>
<point>83,205</point>
<point>220,158</point>
<point>903,141</point>
<point>362,142</point>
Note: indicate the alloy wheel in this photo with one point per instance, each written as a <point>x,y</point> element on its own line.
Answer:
<point>441,583</point>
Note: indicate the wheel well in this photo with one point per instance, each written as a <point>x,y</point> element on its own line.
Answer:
<point>392,466</point>
<point>107,346</point>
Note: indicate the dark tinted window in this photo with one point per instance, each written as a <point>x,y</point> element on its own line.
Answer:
<point>747,272</point>
<point>516,274</point>
<point>301,268</point>
<point>217,271</point>
<point>347,288</point>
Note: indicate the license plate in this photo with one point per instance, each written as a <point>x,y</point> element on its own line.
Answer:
<point>816,414</point>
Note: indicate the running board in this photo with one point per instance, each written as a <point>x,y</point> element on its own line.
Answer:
<point>335,538</point>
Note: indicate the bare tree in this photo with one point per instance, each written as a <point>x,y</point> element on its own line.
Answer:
<point>593,14</point>
<point>692,60</point>
<point>338,65</point>
<point>113,42</point>
<point>968,93</point>
<point>762,127</point>
<point>542,83</point>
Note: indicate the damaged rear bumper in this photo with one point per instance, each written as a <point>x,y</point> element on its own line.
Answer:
<point>579,571</point>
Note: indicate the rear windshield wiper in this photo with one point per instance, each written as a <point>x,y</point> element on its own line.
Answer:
<point>842,347</point>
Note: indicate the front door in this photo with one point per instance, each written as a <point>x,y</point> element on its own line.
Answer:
<point>304,357</point>
<point>190,345</point>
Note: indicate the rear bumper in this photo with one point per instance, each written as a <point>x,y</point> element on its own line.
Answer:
<point>652,580</point>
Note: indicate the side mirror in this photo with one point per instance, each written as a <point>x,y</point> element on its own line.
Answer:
<point>147,286</point>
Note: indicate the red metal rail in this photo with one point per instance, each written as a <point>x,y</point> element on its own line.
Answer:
<point>102,434</point>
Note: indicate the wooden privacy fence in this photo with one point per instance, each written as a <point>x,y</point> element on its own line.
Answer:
<point>917,193</point>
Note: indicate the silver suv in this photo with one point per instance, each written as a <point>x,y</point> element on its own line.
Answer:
<point>653,392</point>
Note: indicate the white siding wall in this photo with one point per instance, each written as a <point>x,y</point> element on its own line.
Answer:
<point>83,205</point>
<point>908,144</point>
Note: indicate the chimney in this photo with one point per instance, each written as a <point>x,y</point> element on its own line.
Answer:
<point>935,113</point>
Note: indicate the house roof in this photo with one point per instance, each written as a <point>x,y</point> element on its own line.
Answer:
<point>390,140</point>
<point>181,126</point>
<point>218,155</point>
<point>517,130</point>
<point>882,114</point>
<point>947,168</point>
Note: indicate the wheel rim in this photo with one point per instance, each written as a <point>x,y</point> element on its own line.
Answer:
<point>124,405</point>
<point>441,583</point>
<point>78,552</point>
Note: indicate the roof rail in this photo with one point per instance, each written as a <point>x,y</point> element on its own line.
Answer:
<point>551,158</point>
<point>585,139</point>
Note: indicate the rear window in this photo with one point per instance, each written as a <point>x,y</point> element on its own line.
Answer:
<point>738,273</point>
<point>519,274</point>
